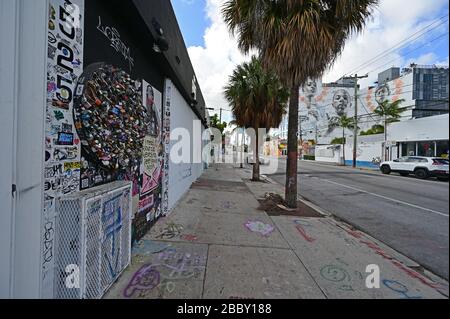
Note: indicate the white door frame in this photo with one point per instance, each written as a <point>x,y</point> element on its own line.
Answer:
<point>8,107</point>
<point>23,34</point>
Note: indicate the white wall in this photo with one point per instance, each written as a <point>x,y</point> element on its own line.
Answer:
<point>181,176</point>
<point>328,153</point>
<point>423,129</point>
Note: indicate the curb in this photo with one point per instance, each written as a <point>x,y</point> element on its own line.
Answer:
<point>408,262</point>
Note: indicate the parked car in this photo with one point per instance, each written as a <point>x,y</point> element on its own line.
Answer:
<point>421,167</point>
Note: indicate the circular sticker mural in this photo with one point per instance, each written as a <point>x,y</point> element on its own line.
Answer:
<point>110,117</point>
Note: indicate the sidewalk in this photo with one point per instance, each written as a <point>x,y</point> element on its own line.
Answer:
<point>216,244</point>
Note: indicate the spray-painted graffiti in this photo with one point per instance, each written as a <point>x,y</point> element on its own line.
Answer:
<point>399,288</point>
<point>49,234</point>
<point>171,231</point>
<point>189,237</point>
<point>301,225</point>
<point>170,267</point>
<point>116,43</point>
<point>257,226</point>
<point>146,278</point>
<point>227,205</point>
<point>112,224</point>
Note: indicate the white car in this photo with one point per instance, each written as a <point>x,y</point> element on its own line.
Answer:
<point>421,167</point>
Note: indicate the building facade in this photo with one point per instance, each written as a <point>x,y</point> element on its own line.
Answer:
<point>91,93</point>
<point>423,89</point>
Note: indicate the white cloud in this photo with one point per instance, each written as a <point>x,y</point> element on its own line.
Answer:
<point>215,62</point>
<point>394,20</point>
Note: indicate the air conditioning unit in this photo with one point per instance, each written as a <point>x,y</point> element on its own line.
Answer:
<point>93,240</point>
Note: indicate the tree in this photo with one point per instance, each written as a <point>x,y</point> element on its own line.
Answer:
<point>390,112</point>
<point>344,122</point>
<point>376,129</point>
<point>215,122</point>
<point>258,100</point>
<point>298,39</point>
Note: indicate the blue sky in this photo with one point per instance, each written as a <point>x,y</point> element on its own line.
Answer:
<point>214,53</point>
<point>191,15</point>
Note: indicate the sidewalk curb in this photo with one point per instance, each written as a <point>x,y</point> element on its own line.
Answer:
<point>405,260</point>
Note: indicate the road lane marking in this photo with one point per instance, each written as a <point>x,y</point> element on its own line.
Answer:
<point>387,198</point>
<point>375,173</point>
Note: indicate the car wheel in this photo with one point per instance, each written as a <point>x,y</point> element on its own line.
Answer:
<point>404,174</point>
<point>421,173</point>
<point>385,169</point>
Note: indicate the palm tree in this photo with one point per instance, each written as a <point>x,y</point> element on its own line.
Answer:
<point>298,39</point>
<point>242,129</point>
<point>258,100</point>
<point>344,122</point>
<point>390,112</point>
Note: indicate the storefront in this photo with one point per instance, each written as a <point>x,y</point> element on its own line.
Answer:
<point>420,137</point>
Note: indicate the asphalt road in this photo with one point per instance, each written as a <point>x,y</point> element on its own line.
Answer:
<point>409,215</point>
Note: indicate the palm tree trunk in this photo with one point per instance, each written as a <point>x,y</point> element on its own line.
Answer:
<point>292,160</point>
<point>242,148</point>
<point>343,145</point>
<point>256,156</point>
<point>385,139</point>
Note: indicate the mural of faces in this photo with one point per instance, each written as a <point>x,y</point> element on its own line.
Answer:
<point>382,93</point>
<point>341,101</point>
<point>310,88</point>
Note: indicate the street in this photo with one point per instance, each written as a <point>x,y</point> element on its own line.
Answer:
<point>407,214</point>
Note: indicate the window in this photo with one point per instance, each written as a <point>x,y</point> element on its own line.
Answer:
<point>426,149</point>
<point>409,149</point>
<point>417,160</point>
<point>442,148</point>
<point>440,161</point>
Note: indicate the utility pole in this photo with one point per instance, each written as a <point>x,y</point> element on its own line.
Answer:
<point>355,133</point>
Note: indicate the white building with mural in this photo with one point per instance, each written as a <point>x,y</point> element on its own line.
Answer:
<point>423,89</point>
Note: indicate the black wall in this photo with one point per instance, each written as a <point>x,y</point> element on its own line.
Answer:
<point>133,20</point>
<point>181,72</point>
<point>126,20</point>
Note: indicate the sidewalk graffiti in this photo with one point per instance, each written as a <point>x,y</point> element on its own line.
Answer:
<point>257,226</point>
<point>227,205</point>
<point>171,231</point>
<point>189,237</point>
<point>300,226</point>
<point>146,278</point>
<point>148,247</point>
<point>338,275</point>
<point>399,288</point>
<point>379,251</point>
<point>170,267</point>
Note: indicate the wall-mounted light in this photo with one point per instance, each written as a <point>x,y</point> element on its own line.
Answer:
<point>161,44</point>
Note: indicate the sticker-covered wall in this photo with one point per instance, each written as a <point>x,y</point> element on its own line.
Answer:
<point>110,112</point>
<point>62,143</point>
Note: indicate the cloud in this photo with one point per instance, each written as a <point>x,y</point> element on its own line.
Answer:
<point>215,61</point>
<point>393,21</point>
<point>188,2</point>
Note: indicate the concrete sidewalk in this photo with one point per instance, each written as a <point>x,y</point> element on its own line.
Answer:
<point>216,244</point>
